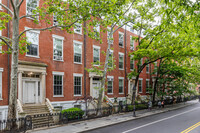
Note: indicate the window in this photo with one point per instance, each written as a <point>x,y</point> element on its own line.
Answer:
<point>0,40</point>
<point>108,33</point>
<point>78,28</point>
<point>155,67</point>
<point>121,85</point>
<point>147,85</point>
<point>121,39</point>
<point>33,46</point>
<point>131,63</point>
<point>55,20</point>
<point>110,85</point>
<point>131,43</point>
<point>140,86</point>
<point>77,84</point>
<point>31,6</point>
<point>58,47</point>
<point>147,68</point>
<point>1,70</point>
<point>121,61</point>
<point>110,60</point>
<point>96,55</point>
<point>96,30</point>
<point>58,83</point>
<point>77,52</point>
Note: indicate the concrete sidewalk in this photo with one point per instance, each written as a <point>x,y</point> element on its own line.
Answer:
<point>87,125</point>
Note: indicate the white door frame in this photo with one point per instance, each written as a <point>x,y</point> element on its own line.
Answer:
<point>93,89</point>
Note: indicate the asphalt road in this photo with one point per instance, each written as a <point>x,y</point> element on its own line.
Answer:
<point>184,120</point>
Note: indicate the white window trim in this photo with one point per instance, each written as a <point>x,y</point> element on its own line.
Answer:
<point>80,33</point>
<point>133,63</point>
<point>37,32</point>
<point>112,53</point>
<point>78,75</point>
<point>61,38</point>
<point>1,6</point>
<point>140,79</point>
<point>27,12</point>
<point>123,39</point>
<point>122,78</point>
<point>0,34</point>
<point>122,54</point>
<point>80,43</point>
<point>58,73</point>
<point>146,85</point>
<point>146,68</point>
<point>109,28</point>
<point>1,83</point>
<point>97,47</point>
<point>133,43</point>
<point>111,77</point>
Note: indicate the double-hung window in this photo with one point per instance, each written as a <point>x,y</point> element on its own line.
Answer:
<point>131,43</point>
<point>110,85</point>
<point>31,5</point>
<point>155,66</point>
<point>121,39</point>
<point>57,47</point>
<point>147,68</point>
<point>1,70</point>
<point>121,85</point>
<point>108,33</point>
<point>96,30</point>
<point>96,55</point>
<point>78,28</point>
<point>33,46</point>
<point>77,52</point>
<point>55,20</point>
<point>131,63</point>
<point>110,60</point>
<point>121,60</point>
<point>78,84</point>
<point>147,85</point>
<point>58,84</point>
<point>140,86</point>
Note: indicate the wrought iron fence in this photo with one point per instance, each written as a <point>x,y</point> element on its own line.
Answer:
<point>53,119</point>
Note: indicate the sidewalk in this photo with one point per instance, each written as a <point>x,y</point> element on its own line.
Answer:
<point>110,120</point>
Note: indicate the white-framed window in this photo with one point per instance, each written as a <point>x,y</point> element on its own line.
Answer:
<point>58,84</point>
<point>78,52</point>
<point>96,30</point>
<point>110,60</point>
<point>121,85</point>
<point>147,68</point>
<point>108,32</point>
<point>31,5</point>
<point>77,84</point>
<point>33,46</point>
<point>58,47</point>
<point>155,66</point>
<point>132,63</point>
<point>55,20</point>
<point>147,85</point>
<point>78,28</point>
<point>121,60</point>
<point>96,55</point>
<point>1,71</point>
<point>0,6</point>
<point>110,84</point>
<point>0,40</point>
<point>131,43</point>
<point>121,39</point>
<point>140,86</point>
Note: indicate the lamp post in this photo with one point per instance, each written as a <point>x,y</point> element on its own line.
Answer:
<point>134,91</point>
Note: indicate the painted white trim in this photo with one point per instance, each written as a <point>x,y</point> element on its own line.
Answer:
<point>0,32</point>
<point>80,33</point>
<point>110,77</point>
<point>57,73</point>
<point>120,53</point>
<point>1,69</point>
<point>147,79</point>
<point>78,74</point>
<point>4,107</point>
<point>97,47</point>
<point>140,78</point>
<point>120,77</point>
<point>31,14</point>
<point>35,31</point>
<point>1,83</point>
<point>58,37</point>
<point>78,42</point>
<point>121,33</point>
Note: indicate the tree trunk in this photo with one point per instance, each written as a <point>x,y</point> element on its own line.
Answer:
<point>14,67</point>
<point>135,87</point>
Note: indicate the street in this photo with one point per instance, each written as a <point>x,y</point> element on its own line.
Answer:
<point>183,120</point>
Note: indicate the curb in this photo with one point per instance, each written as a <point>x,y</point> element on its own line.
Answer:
<point>137,117</point>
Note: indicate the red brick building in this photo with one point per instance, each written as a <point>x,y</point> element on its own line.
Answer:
<point>53,67</point>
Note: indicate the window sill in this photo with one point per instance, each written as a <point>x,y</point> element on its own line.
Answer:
<point>109,93</point>
<point>121,69</point>
<point>58,96</point>
<point>78,63</point>
<point>132,69</point>
<point>121,46</point>
<point>78,33</point>
<point>1,99</point>
<point>32,56</point>
<point>121,93</point>
<point>95,65</point>
<point>58,60</point>
<point>77,95</point>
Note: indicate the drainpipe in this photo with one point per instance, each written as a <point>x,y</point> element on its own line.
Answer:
<point>85,93</point>
<point>125,65</point>
<point>8,34</point>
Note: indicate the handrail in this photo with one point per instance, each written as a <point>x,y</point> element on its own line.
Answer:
<point>49,105</point>
<point>19,106</point>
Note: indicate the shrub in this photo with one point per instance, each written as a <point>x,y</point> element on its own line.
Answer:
<point>137,106</point>
<point>73,113</point>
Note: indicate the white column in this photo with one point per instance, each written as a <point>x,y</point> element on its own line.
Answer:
<point>20,91</point>
<point>43,87</point>
<point>36,92</point>
<point>91,86</point>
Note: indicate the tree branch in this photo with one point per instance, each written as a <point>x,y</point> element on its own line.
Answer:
<point>14,12</point>
<point>25,16</point>
<point>6,42</point>
<point>6,8</point>
<point>18,6</point>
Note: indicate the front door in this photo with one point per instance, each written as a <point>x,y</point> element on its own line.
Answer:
<point>96,87</point>
<point>29,92</point>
